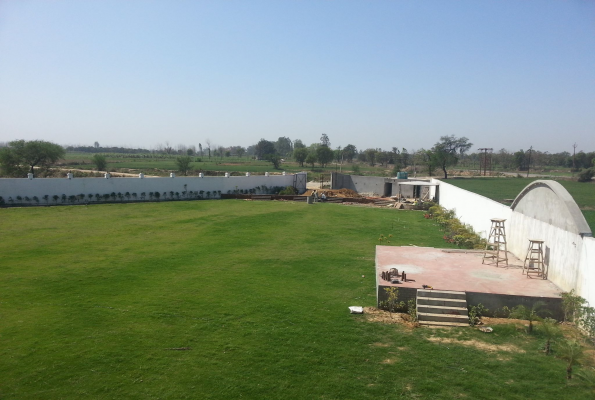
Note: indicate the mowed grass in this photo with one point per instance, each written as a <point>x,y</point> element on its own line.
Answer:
<point>231,299</point>
<point>500,189</point>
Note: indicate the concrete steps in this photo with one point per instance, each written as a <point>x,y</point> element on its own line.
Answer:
<point>442,308</point>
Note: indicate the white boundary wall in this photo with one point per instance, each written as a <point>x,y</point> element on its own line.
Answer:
<point>75,186</point>
<point>570,257</point>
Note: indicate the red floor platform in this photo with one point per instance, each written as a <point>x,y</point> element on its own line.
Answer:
<point>459,272</point>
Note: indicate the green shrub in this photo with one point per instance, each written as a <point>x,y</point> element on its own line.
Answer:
<point>288,191</point>
<point>586,175</point>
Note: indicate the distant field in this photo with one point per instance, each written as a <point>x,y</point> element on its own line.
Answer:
<point>500,189</point>
<point>164,164</point>
<point>233,299</point>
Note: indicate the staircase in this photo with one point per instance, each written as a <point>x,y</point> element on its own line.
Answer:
<point>442,308</point>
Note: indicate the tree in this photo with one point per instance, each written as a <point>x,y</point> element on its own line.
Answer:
<point>570,351</point>
<point>311,159</point>
<point>300,154</point>
<point>520,160</point>
<point>549,327</point>
<point>200,149</point>
<point>427,157</point>
<point>349,152</point>
<point>324,140</point>
<point>96,145</point>
<point>240,151</point>
<point>338,154</point>
<point>382,157</point>
<point>324,155</point>
<point>448,150</point>
<point>209,147</point>
<point>284,146</point>
<point>530,314</point>
<point>21,156</point>
<point>298,144</point>
<point>404,157</point>
<point>100,162</point>
<point>263,148</point>
<point>370,156</point>
<point>183,163</point>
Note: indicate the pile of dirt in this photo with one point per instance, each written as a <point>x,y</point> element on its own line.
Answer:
<point>344,193</point>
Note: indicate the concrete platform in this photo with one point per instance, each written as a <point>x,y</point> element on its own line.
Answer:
<point>459,272</point>
<point>494,287</point>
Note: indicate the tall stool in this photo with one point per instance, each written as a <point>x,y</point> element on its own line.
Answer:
<point>497,241</point>
<point>534,260</point>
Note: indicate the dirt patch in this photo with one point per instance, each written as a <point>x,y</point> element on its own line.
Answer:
<point>388,361</point>
<point>384,317</point>
<point>477,344</point>
<point>344,193</point>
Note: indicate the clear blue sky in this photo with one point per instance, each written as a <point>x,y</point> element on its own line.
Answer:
<point>506,74</point>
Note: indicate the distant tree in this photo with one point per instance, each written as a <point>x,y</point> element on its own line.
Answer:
<point>100,162</point>
<point>520,160</point>
<point>311,159</point>
<point>300,154</point>
<point>21,156</point>
<point>240,151</point>
<point>263,148</point>
<point>284,146</point>
<point>324,140</point>
<point>405,158</point>
<point>349,152</point>
<point>324,155</point>
<point>371,156</point>
<point>427,158</point>
<point>209,147</point>
<point>200,149</point>
<point>382,157</point>
<point>298,144</point>
<point>227,153</point>
<point>448,150</point>
<point>96,145</point>
<point>183,163</point>
<point>189,152</point>
<point>338,154</point>
<point>168,148</point>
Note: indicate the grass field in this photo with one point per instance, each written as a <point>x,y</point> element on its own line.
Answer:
<point>232,299</point>
<point>162,165</point>
<point>500,189</point>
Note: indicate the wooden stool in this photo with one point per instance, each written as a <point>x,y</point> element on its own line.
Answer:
<point>534,260</point>
<point>497,241</point>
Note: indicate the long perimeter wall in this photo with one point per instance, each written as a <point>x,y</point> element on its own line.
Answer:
<point>569,257</point>
<point>11,188</point>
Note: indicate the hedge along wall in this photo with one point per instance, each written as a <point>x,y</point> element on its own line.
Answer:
<point>570,257</point>
<point>12,188</point>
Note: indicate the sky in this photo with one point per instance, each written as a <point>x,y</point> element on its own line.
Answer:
<point>380,74</point>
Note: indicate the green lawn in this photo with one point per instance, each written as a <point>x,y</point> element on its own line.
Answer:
<point>94,302</point>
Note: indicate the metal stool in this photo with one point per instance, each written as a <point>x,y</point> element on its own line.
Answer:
<point>534,260</point>
<point>496,240</point>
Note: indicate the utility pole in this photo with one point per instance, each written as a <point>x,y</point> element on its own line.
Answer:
<point>485,160</point>
<point>574,156</point>
<point>529,163</point>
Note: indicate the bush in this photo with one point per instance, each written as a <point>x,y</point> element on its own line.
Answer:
<point>288,191</point>
<point>454,230</point>
<point>586,175</point>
